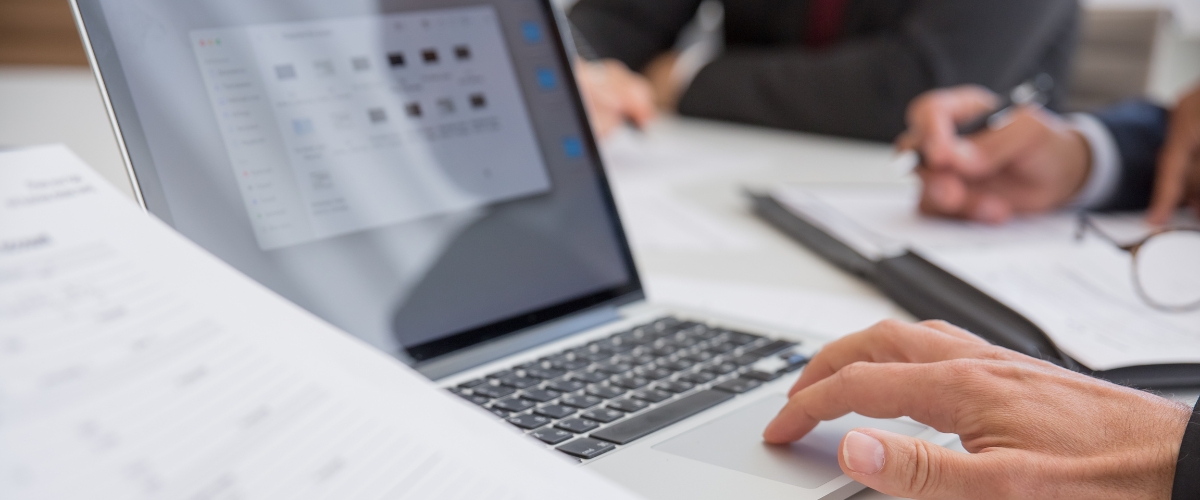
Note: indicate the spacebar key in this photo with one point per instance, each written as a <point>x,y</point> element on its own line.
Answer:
<point>658,418</point>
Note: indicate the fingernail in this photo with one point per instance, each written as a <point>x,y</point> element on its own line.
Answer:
<point>991,210</point>
<point>863,453</point>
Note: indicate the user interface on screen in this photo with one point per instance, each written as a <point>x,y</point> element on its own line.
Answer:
<point>415,172</point>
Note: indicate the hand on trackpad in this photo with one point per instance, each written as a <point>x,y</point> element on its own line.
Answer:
<point>735,442</point>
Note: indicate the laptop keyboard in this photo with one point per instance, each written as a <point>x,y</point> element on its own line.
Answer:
<point>588,400</point>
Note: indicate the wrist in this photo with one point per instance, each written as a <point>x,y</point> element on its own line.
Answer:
<point>1079,162</point>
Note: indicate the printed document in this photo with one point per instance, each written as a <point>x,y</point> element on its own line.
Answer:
<point>135,365</point>
<point>1081,293</point>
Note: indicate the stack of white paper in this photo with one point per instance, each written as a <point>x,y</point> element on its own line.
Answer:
<point>134,365</point>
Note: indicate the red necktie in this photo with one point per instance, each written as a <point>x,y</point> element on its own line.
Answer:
<point>824,22</point>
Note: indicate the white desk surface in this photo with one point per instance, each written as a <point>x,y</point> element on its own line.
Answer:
<point>63,105</point>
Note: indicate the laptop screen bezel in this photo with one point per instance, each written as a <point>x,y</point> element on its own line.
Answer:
<point>135,150</point>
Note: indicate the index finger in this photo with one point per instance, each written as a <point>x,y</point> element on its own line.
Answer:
<point>933,120</point>
<point>925,392</point>
<point>892,341</point>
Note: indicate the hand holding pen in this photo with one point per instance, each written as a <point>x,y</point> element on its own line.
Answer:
<point>988,159</point>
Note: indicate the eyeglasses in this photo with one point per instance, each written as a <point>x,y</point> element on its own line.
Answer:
<point>1166,265</point>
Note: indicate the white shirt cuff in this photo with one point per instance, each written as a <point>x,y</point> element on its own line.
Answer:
<point>1105,173</point>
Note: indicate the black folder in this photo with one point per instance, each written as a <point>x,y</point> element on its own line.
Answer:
<point>929,292</point>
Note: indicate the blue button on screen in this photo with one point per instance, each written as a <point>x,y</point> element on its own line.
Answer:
<point>573,147</point>
<point>546,79</point>
<point>531,31</point>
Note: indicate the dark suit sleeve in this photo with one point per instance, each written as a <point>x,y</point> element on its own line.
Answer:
<point>1139,130</point>
<point>861,88</point>
<point>632,31</point>
<point>1187,468</point>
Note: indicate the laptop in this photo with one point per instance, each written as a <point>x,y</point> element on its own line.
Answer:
<point>421,173</point>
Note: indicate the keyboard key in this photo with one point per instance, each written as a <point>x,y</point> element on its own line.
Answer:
<point>615,344</point>
<point>564,385</point>
<point>699,377</point>
<point>518,381</point>
<point>590,376</point>
<point>500,374</point>
<point>605,391</point>
<point>577,425</point>
<point>771,348</point>
<point>493,391</point>
<point>551,436</point>
<point>474,398</point>
<point>675,386</point>
<point>637,337</point>
<point>545,373</point>
<point>738,385</point>
<point>614,368</point>
<point>593,352</point>
<point>540,395</point>
<point>628,405</point>
<point>746,359</point>
<point>602,415</point>
<point>629,381</point>
<point>471,383</point>
<point>579,401</point>
<point>761,376</point>
<point>678,364</point>
<point>652,395</point>
<point>684,341</point>
<point>500,413</point>
<point>555,411</point>
<point>528,366</point>
<point>513,404</point>
<point>701,332</point>
<point>586,448</point>
<point>666,349</point>
<point>740,338</point>
<point>576,364</point>
<point>654,373</point>
<point>722,368</point>
<point>642,425</point>
<point>641,358</point>
<point>527,421</point>
<point>640,336</point>
<point>722,347</point>
<point>662,324</point>
<point>700,356</point>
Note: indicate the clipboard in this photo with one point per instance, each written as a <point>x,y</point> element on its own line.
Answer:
<point>927,291</point>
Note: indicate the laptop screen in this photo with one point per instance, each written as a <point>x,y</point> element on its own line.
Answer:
<point>417,172</point>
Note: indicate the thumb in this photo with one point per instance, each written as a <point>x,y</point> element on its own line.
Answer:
<point>908,467</point>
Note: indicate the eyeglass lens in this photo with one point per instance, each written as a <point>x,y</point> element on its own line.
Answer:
<point>1168,269</point>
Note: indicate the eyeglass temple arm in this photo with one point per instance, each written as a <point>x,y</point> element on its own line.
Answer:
<point>1086,222</point>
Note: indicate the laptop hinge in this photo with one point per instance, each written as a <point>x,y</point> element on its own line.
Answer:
<point>526,339</point>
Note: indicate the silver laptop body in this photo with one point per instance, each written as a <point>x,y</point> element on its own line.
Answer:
<point>422,174</point>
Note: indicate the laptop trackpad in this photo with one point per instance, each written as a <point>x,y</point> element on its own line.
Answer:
<point>735,442</point>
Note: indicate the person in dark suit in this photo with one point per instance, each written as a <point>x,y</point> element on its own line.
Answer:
<point>1129,156</point>
<point>843,67</point>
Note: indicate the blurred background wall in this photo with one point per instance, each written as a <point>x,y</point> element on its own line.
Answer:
<point>40,32</point>
<point>1129,47</point>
